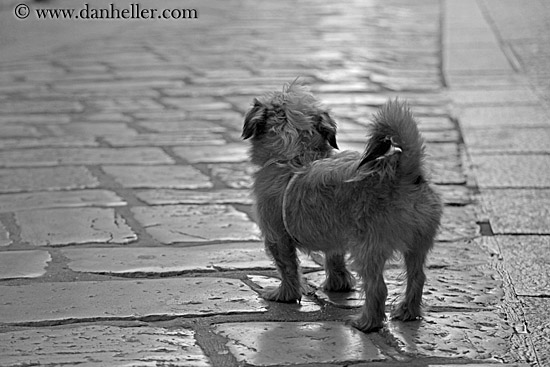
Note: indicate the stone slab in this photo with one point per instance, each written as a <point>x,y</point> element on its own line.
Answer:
<point>170,196</point>
<point>105,345</point>
<point>41,106</point>
<point>176,177</point>
<point>234,175</point>
<point>163,260</point>
<point>92,129</point>
<point>489,117</point>
<point>482,335</point>
<point>126,299</point>
<point>80,156</point>
<point>41,179</point>
<point>13,131</point>
<point>288,343</point>
<point>457,223</point>
<point>48,142</point>
<point>235,152</point>
<point>4,236</point>
<point>455,194</point>
<point>58,227</point>
<point>58,199</point>
<point>167,139</point>
<point>518,211</point>
<point>466,60</point>
<point>505,96</point>
<point>512,171</point>
<point>196,223</point>
<point>183,126</point>
<point>508,140</point>
<point>23,264</point>
<point>526,259</point>
<point>538,322</point>
<point>35,119</point>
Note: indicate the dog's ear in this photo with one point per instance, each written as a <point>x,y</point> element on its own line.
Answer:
<point>254,120</point>
<point>327,129</point>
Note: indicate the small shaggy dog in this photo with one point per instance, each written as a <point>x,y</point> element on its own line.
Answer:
<point>309,197</point>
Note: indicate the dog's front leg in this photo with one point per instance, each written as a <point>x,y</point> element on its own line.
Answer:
<point>286,260</point>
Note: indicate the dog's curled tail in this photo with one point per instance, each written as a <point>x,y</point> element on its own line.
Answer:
<point>395,147</point>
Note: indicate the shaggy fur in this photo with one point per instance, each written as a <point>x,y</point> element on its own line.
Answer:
<point>371,205</point>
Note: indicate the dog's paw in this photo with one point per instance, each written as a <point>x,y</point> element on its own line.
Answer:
<point>281,295</point>
<point>366,324</point>
<point>343,282</point>
<point>404,313</point>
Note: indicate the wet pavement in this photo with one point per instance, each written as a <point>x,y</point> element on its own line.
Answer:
<point>127,229</point>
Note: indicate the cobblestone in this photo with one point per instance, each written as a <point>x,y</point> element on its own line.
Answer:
<point>63,302</point>
<point>80,156</point>
<point>178,177</point>
<point>24,264</point>
<point>57,227</point>
<point>196,223</point>
<point>107,344</point>
<point>518,211</point>
<point>512,171</point>
<point>38,179</point>
<point>56,199</point>
<point>159,261</point>
<point>276,343</point>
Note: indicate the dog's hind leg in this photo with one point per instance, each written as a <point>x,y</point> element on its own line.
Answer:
<point>371,269</point>
<point>339,279</point>
<point>286,260</point>
<point>410,308</point>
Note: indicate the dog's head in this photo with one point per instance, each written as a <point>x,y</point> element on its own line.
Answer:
<point>289,126</point>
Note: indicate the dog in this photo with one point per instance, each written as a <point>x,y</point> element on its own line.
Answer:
<point>311,198</point>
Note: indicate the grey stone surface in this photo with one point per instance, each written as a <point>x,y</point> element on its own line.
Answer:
<point>526,259</point>
<point>236,152</point>
<point>196,223</point>
<point>183,126</point>
<point>126,299</point>
<point>39,179</point>
<point>538,322</point>
<point>80,156</point>
<point>489,117</point>
<point>59,199</point>
<point>479,335</point>
<point>163,260</point>
<point>48,142</point>
<point>276,343</point>
<point>158,176</point>
<point>23,264</point>
<point>457,223</point>
<point>504,96</point>
<point>512,171</point>
<point>4,236</point>
<point>518,211</point>
<point>506,140</point>
<point>57,227</point>
<point>92,129</point>
<point>455,194</point>
<point>234,175</point>
<point>105,345</point>
<point>167,139</point>
<point>170,196</point>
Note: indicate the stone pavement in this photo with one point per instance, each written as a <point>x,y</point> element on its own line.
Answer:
<point>127,232</point>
